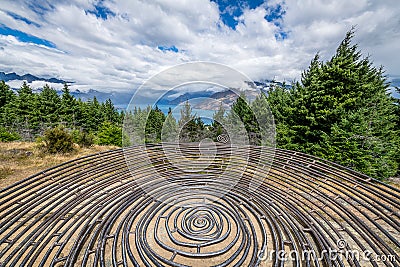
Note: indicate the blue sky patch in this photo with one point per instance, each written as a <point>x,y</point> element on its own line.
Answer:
<point>230,10</point>
<point>40,7</point>
<point>275,14</point>
<point>281,35</point>
<point>24,37</point>
<point>101,11</point>
<point>168,48</point>
<point>18,17</point>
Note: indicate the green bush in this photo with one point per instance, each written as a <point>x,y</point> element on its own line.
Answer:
<point>7,136</point>
<point>110,134</point>
<point>83,138</point>
<point>57,140</point>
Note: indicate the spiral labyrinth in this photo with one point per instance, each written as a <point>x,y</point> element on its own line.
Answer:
<point>97,211</point>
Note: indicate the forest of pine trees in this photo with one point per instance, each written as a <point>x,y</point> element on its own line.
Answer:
<point>27,115</point>
<point>340,110</point>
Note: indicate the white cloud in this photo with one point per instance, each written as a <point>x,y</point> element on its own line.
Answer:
<point>121,52</point>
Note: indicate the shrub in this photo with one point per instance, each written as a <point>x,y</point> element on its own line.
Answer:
<point>83,138</point>
<point>110,134</point>
<point>57,140</point>
<point>8,136</point>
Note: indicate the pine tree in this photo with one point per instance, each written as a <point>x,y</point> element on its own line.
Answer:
<point>191,127</point>
<point>6,94</point>
<point>69,107</point>
<point>49,106</point>
<point>7,101</point>
<point>186,114</point>
<point>342,112</point>
<point>135,125</point>
<point>265,127</point>
<point>280,101</point>
<point>26,112</point>
<point>154,124</point>
<point>110,134</point>
<point>217,125</point>
<point>109,113</point>
<point>170,128</point>
<point>92,114</point>
<point>242,122</point>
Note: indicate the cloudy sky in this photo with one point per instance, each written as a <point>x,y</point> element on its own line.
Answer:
<point>118,44</point>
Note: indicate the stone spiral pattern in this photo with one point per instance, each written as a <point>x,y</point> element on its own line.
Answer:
<point>92,212</point>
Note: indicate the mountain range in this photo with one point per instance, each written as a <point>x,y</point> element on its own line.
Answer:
<point>171,98</point>
<point>27,77</point>
<point>203,99</point>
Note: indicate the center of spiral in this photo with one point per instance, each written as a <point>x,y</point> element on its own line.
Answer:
<point>200,222</point>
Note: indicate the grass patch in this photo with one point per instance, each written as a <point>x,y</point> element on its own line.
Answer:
<point>19,160</point>
<point>5,171</point>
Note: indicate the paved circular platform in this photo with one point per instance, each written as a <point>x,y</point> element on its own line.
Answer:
<point>276,208</point>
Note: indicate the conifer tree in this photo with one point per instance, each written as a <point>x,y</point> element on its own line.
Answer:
<point>154,124</point>
<point>26,112</point>
<point>170,128</point>
<point>280,101</point>
<point>242,122</point>
<point>218,122</point>
<point>68,107</point>
<point>109,112</point>
<point>49,106</point>
<point>342,112</point>
<point>7,100</point>
<point>6,94</point>
<point>191,127</point>
<point>265,125</point>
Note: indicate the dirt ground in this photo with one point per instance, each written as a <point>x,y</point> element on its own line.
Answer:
<point>19,160</point>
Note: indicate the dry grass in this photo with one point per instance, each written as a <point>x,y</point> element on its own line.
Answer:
<point>394,182</point>
<point>19,160</point>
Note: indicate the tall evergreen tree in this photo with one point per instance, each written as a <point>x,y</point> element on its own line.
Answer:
<point>69,107</point>
<point>26,112</point>
<point>186,114</point>
<point>191,127</point>
<point>265,131</point>
<point>6,94</point>
<point>92,114</point>
<point>242,121</point>
<point>280,101</point>
<point>49,106</point>
<point>342,112</point>
<point>109,112</point>
<point>7,99</point>
<point>170,128</point>
<point>218,122</point>
<point>154,124</point>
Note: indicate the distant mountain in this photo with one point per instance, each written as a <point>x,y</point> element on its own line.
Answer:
<point>227,98</point>
<point>119,99</point>
<point>183,97</point>
<point>27,77</point>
